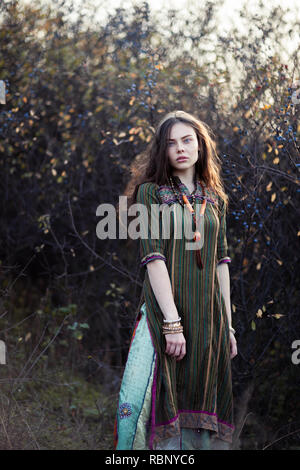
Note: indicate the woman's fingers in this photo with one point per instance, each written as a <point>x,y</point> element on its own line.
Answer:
<point>175,345</point>
<point>233,346</point>
<point>182,353</point>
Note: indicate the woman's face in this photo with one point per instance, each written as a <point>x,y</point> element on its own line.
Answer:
<point>182,147</point>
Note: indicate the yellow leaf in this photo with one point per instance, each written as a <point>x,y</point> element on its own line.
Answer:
<point>279,262</point>
<point>269,148</point>
<point>264,156</point>
<point>28,336</point>
<point>258,266</point>
<point>233,308</point>
<point>132,100</point>
<point>277,315</point>
<point>235,129</point>
<point>259,313</point>
<point>276,161</point>
<point>268,188</point>
<point>276,152</point>
<point>273,197</point>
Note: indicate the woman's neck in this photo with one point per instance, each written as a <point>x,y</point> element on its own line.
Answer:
<point>187,178</point>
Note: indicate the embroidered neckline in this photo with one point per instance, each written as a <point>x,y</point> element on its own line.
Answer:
<point>168,197</point>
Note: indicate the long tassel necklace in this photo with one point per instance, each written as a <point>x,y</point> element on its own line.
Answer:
<point>197,234</point>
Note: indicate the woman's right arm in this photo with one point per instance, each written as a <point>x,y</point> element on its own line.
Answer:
<point>161,285</point>
<point>157,270</point>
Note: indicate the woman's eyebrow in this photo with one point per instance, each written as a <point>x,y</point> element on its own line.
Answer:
<point>189,135</point>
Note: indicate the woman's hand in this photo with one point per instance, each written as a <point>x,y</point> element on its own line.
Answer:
<point>233,345</point>
<point>175,345</point>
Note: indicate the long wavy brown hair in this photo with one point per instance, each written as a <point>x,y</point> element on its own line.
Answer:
<point>153,165</point>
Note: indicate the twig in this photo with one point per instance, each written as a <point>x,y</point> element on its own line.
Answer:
<point>25,421</point>
<point>5,432</point>
<point>283,437</point>
<point>124,273</point>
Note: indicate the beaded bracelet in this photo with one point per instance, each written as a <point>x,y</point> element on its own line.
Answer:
<point>172,331</point>
<point>172,327</point>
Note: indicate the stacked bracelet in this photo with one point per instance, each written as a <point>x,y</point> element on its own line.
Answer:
<point>172,327</point>
<point>172,321</point>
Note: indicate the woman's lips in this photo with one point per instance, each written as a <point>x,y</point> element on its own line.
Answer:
<point>182,159</point>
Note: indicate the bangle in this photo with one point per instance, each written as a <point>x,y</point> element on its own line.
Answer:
<point>172,321</point>
<point>172,331</point>
<point>172,327</point>
<point>232,330</point>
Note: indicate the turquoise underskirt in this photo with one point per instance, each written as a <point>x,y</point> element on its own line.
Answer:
<point>135,393</point>
<point>135,399</point>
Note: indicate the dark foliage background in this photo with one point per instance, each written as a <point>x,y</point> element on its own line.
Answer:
<point>81,103</point>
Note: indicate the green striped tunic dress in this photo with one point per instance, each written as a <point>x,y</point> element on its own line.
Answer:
<point>196,392</point>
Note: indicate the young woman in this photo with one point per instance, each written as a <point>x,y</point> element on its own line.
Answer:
<point>176,391</point>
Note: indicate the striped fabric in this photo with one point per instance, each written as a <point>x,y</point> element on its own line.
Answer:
<point>195,392</point>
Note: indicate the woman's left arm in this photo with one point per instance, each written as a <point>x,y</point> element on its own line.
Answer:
<point>224,281</point>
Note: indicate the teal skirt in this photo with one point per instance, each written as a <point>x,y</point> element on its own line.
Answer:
<point>136,399</point>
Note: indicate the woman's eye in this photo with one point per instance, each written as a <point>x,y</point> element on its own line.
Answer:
<point>185,140</point>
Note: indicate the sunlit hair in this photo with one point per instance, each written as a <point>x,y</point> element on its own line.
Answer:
<point>153,164</point>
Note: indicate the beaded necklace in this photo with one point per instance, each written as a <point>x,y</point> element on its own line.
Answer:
<point>190,207</point>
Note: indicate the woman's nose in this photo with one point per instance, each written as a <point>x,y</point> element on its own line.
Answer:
<point>180,147</point>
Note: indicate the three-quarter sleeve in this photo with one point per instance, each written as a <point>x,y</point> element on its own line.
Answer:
<point>222,247</point>
<point>152,245</point>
